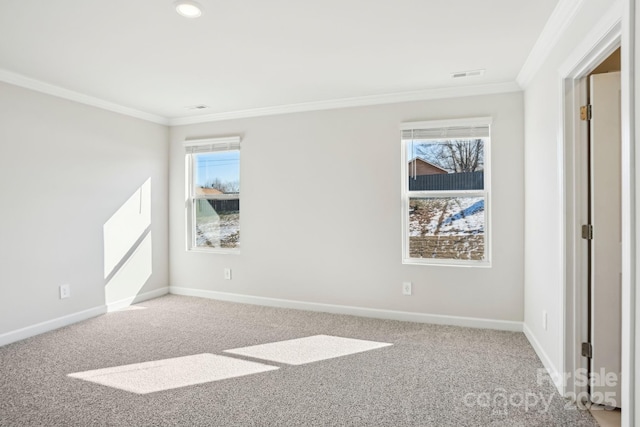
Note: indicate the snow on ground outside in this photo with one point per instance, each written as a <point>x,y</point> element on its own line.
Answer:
<point>218,231</point>
<point>445,216</point>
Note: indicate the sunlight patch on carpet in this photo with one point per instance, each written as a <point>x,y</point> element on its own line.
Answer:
<point>307,350</point>
<point>131,308</point>
<point>158,375</point>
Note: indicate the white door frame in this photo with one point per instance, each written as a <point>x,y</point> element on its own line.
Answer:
<point>613,30</point>
<point>606,216</point>
<point>630,298</point>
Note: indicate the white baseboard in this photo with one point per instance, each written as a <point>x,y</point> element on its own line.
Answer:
<point>470,322</point>
<point>553,372</point>
<point>50,325</point>
<point>126,302</point>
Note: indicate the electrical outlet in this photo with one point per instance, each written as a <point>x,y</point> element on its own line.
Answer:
<point>406,288</point>
<point>227,274</point>
<point>544,319</point>
<point>65,291</point>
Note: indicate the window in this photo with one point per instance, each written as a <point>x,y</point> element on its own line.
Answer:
<point>213,192</point>
<point>445,188</point>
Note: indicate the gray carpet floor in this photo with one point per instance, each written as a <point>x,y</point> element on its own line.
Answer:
<point>431,376</point>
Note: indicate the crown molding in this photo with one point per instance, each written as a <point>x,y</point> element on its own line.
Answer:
<point>60,92</point>
<point>597,45</point>
<point>553,30</point>
<point>391,98</point>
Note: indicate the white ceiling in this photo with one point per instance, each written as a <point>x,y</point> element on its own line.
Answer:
<point>250,54</point>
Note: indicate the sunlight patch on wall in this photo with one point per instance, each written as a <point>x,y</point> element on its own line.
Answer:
<point>167,374</point>
<point>126,226</point>
<point>306,350</point>
<point>132,275</point>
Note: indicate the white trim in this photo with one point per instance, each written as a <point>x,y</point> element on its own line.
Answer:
<point>572,162</point>
<point>50,325</point>
<point>485,193</point>
<point>390,98</point>
<point>630,350</point>
<point>552,32</point>
<point>595,45</point>
<point>218,251</point>
<point>231,140</point>
<point>126,302</point>
<point>435,124</point>
<point>555,375</point>
<point>231,144</point>
<point>434,262</point>
<point>60,92</point>
<point>469,322</point>
<point>598,43</point>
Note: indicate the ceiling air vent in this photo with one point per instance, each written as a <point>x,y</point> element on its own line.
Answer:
<point>197,107</point>
<point>471,73</point>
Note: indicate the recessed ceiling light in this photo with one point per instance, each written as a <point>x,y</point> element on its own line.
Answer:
<point>188,8</point>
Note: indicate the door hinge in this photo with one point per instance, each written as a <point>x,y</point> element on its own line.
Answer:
<point>587,231</point>
<point>587,350</point>
<point>586,112</point>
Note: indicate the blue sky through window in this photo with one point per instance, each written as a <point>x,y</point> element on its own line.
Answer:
<point>222,165</point>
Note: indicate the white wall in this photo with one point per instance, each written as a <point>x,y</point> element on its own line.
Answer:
<point>321,203</point>
<point>543,183</point>
<point>65,170</point>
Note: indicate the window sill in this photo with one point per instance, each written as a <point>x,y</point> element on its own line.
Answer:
<point>446,262</point>
<point>215,251</point>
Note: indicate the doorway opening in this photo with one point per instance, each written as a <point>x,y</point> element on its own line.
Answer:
<point>593,190</point>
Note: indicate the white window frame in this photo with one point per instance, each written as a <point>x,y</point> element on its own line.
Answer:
<point>486,192</point>
<point>200,146</point>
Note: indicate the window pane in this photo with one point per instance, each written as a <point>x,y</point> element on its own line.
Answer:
<point>447,227</point>
<point>217,223</point>
<point>217,173</point>
<point>446,165</point>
